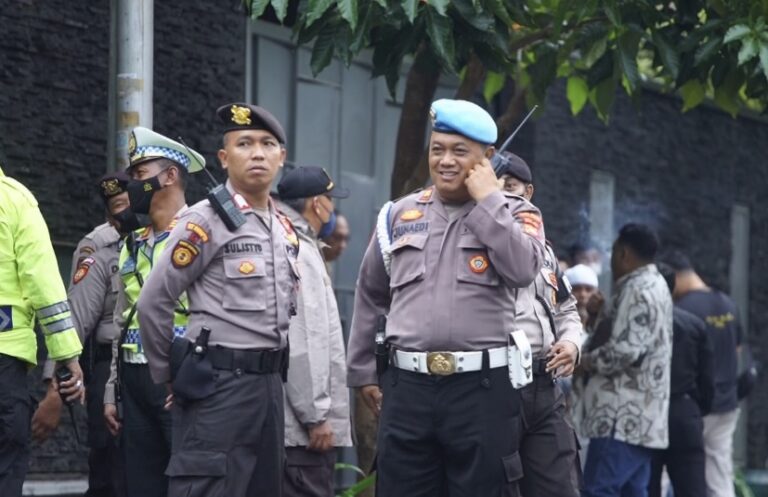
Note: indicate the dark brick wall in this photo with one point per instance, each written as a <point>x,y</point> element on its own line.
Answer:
<point>54,61</point>
<point>680,173</point>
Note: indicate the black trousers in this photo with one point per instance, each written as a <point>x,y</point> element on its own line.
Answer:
<point>684,458</point>
<point>549,449</point>
<point>106,477</point>
<point>16,408</point>
<point>231,443</point>
<point>308,473</point>
<point>455,436</point>
<point>146,436</point>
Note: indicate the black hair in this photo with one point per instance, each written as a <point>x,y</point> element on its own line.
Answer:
<point>677,260</point>
<point>668,274</point>
<point>579,247</point>
<point>640,239</point>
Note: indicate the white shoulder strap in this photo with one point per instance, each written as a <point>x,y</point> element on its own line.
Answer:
<point>384,235</point>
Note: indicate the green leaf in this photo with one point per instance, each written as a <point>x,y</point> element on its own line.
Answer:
<point>281,9</point>
<point>358,487</point>
<point>258,7</point>
<point>543,71</point>
<point>441,6</point>
<point>481,21</point>
<point>410,7</point>
<point>627,58</point>
<point>322,52</point>
<point>348,9</point>
<point>693,93</point>
<point>736,33</point>
<point>316,9</point>
<point>382,3</point>
<point>764,58</point>
<point>602,97</point>
<point>668,54</point>
<point>500,10</point>
<point>600,70</point>
<point>577,92</point>
<point>748,50</point>
<point>707,50</point>
<point>727,94</point>
<point>612,12</point>
<point>494,82</point>
<point>440,32</point>
<point>340,465</point>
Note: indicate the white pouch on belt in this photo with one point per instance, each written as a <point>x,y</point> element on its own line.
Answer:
<point>519,359</point>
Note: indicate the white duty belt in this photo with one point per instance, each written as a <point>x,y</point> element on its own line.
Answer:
<point>447,363</point>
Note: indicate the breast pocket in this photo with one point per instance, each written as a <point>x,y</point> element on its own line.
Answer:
<point>474,266</point>
<point>245,285</point>
<point>408,260</point>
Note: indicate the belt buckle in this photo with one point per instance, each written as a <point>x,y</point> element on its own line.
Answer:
<point>441,363</point>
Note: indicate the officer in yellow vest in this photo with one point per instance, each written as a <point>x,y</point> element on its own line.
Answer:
<point>30,291</point>
<point>159,168</point>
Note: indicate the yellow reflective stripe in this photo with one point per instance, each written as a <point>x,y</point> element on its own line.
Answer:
<point>52,310</point>
<point>57,326</point>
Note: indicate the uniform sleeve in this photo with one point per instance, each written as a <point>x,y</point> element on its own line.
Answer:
<point>307,389</point>
<point>513,232</point>
<point>372,299</point>
<point>629,339</point>
<point>41,284</point>
<point>187,254</point>
<point>705,379</point>
<point>87,290</point>
<point>568,322</point>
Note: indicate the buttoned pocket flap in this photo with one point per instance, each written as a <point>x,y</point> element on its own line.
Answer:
<point>471,242</point>
<point>412,241</point>
<point>197,463</point>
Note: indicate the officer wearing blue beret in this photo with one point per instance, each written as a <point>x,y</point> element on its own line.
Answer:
<point>444,267</point>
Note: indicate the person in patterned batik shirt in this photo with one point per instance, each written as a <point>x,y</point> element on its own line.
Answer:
<point>628,359</point>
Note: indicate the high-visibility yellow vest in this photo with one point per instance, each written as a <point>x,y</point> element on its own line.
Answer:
<point>135,263</point>
<point>30,285</point>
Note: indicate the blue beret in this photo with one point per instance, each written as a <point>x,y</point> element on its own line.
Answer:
<point>464,118</point>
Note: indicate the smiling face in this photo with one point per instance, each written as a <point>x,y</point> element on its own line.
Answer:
<point>451,157</point>
<point>252,158</point>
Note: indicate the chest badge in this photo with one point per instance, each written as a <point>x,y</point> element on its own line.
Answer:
<point>411,215</point>
<point>478,264</point>
<point>246,267</point>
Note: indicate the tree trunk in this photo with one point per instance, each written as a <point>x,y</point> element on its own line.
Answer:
<point>419,91</point>
<point>512,115</point>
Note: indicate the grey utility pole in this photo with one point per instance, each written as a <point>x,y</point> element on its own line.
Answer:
<point>133,78</point>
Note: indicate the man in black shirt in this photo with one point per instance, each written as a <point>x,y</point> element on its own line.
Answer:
<point>692,390</point>
<point>719,313</point>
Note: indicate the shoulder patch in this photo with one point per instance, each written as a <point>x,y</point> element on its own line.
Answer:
<point>82,269</point>
<point>426,196</point>
<point>531,224</point>
<point>197,232</point>
<point>184,254</point>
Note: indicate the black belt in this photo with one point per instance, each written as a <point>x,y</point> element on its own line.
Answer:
<point>247,361</point>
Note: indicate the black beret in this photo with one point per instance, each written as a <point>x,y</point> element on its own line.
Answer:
<point>515,166</point>
<point>112,184</point>
<point>246,116</point>
<point>308,181</point>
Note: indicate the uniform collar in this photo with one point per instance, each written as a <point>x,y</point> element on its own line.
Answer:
<point>243,204</point>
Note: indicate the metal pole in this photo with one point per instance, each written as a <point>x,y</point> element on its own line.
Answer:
<point>135,59</point>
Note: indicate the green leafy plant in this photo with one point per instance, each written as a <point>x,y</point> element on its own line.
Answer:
<point>356,489</point>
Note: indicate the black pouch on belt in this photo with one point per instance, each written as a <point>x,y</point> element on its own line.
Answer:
<point>192,375</point>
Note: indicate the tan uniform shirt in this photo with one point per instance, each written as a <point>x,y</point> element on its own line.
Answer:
<point>534,318</point>
<point>453,277</point>
<point>316,389</point>
<point>241,284</point>
<point>101,236</point>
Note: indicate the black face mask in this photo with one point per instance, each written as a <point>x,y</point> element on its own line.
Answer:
<point>140,193</point>
<point>129,221</point>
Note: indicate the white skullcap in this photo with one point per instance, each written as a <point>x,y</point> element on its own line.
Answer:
<point>581,274</point>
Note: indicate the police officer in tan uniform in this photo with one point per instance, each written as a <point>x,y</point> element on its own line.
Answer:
<point>546,311</point>
<point>92,295</point>
<point>454,256</point>
<point>226,371</point>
